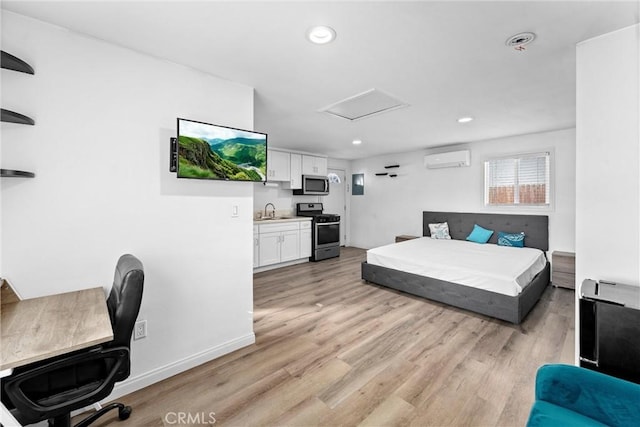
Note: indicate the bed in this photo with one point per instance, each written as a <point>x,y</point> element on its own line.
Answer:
<point>512,306</point>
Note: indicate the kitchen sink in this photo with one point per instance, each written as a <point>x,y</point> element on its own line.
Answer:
<point>272,218</point>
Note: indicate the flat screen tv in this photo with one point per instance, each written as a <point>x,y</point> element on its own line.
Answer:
<point>207,151</point>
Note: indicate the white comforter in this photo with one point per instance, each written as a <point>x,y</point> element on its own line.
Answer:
<point>500,269</point>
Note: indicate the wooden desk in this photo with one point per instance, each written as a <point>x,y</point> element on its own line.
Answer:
<point>40,328</point>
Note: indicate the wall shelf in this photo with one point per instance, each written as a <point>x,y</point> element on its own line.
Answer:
<point>390,175</point>
<point>11,62</point>
<point>13,117</point>
<point>10,173</point>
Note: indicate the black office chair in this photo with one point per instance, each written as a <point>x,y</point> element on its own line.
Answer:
<point>53,388</point>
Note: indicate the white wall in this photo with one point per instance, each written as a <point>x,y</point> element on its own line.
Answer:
<point>283,200</point>
<point>104,116</point>
<point>392,206</point>
<point>607,156</point>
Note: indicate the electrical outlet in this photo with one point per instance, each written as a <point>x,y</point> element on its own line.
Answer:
<point>140,330</point>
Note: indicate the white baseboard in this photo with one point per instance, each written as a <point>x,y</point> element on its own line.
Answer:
<point>141,381</point>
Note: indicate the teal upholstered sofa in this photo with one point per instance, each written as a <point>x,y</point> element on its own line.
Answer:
<point>572,396</point>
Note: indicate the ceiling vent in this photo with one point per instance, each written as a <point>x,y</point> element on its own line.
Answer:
<point>520,40</point>
<point>365,104</point>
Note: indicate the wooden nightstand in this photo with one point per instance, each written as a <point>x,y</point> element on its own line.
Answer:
<point>403,237</point>
<point>563,269</point>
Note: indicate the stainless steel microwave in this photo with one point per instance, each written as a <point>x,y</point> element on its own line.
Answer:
<point>313,185</point>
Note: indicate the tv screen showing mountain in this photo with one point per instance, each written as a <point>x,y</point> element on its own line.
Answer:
<point>207,151</point>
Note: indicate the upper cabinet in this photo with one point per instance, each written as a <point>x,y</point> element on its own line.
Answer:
<point>295,183</point>
<point>289,167</point>
<point>314,165</point>
<point>278,166</point>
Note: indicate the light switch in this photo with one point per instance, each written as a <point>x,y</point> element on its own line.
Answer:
<point>234,211</point>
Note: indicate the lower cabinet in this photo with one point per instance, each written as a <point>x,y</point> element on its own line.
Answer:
<point>269,248</point>
<point>281,242</point>
<point>305,239</point>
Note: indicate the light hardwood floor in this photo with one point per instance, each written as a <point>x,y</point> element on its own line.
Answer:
<point>332,350</point>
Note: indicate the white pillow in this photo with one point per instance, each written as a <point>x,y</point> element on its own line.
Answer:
<point>439,231</point>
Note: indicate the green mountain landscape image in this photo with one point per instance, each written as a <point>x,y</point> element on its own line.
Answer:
<point>237,159</point>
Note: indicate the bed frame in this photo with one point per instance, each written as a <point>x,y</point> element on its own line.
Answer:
<point>509,308</point>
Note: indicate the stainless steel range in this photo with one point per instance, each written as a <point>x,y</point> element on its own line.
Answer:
<point>325,231</point>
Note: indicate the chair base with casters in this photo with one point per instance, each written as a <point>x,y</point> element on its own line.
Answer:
<point>572,396</point>
<point>65,420</point>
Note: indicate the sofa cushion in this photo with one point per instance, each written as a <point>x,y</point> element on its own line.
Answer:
<point>600,397</point>
<point>547,414</point>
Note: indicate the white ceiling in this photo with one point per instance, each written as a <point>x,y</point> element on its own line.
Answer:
<point>445,59</point>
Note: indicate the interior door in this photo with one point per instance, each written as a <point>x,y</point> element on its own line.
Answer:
<point>335,202</point>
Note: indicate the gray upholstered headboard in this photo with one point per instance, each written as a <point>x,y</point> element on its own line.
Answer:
<point>535,227</point>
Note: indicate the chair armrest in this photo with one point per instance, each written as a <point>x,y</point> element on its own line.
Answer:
<point>26,405</point>
<point>604,398</point>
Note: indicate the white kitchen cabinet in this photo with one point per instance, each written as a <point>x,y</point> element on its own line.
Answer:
<point>295,179</point>
<point>290,246</point>
<point>305,239</point>
<point>279,242</point>
<point>269,248</point>
<point>314,165</point>
<point>278,165</point>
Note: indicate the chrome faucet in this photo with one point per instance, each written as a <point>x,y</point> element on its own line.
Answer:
<point>273,212</point>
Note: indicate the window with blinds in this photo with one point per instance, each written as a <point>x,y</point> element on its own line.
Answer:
<point>520,180</point>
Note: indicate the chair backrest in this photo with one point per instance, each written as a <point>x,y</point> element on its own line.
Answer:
<point>125,298</point>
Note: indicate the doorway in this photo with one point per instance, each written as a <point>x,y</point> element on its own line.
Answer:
<point>335,202</point>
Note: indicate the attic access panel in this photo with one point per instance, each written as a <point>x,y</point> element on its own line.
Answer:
<point>362,105</point>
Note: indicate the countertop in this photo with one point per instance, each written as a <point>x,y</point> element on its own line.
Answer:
<point>277,219</point>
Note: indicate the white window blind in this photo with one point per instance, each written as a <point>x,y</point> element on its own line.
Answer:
<point>518,180</point>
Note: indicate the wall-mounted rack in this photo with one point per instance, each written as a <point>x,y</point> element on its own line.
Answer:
<point>9,116</point>
<point>393,175</point>
<point>10,173</point>
<point>11,62</point>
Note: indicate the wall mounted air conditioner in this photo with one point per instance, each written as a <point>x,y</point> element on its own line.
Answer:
<point>452,159</point>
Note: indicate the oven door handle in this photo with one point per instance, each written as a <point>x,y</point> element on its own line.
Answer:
<point>327,223</point>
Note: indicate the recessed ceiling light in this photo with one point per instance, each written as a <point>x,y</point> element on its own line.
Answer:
<point>465,119</point>
<point>321,34</point>
<point>357,142</point>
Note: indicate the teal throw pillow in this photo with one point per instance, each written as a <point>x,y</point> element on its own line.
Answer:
<point>479,234</point>
<point>511,239</point>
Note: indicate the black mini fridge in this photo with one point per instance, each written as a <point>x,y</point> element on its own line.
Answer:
<point>609,316</point>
